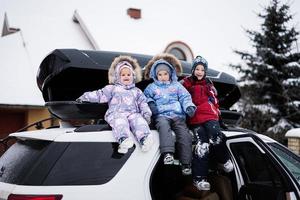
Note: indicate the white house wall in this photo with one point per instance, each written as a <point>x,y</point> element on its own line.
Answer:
<point>17,75</point>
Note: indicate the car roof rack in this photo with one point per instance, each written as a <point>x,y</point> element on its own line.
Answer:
<point>65,74</point>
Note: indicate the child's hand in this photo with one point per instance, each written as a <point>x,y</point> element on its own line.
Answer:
<point>190,111</point>
<point>153,108</point>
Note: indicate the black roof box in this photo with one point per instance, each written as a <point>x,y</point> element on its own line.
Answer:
<point>65,74</point>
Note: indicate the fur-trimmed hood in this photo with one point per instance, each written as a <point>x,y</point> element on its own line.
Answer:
<point>153,72</point>
<point>133,62</point>
<point>167,57</point>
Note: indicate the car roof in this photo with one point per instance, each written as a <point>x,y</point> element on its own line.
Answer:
<point>65,135</point>
<point>238,131</point>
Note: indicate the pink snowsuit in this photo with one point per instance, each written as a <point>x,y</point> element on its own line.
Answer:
<point>128,110</point>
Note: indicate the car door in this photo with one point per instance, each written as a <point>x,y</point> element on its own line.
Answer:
<point>260,174</point>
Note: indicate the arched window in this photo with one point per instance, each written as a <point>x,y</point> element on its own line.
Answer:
<point>181,50</point>
<point>178,53</point>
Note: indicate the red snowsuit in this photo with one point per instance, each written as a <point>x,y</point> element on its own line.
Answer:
<point>204,96</point>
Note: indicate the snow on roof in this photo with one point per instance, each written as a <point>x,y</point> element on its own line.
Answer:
<point>295,132</point>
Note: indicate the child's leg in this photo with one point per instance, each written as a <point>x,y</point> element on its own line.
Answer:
<point>141,130</point>
<point>139,126</point>
<point>166,139</point>
<point>184,140</point>
<point>217,140</point>
<point>120,126</point>
<point>201,153</point>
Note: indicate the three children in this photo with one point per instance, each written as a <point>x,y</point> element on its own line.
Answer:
<point>169,103</point>
<point>128,109</point>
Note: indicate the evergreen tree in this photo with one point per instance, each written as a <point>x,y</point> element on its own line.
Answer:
<point>270,77</point>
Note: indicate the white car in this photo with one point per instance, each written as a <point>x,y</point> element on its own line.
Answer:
<point>62,163</point>
<point>82,162</point>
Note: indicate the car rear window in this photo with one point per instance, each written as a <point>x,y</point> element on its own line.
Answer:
<point>18,159</point>
<point>61,163</point>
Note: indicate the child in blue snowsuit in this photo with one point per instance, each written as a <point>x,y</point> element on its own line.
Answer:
<point>170,102</point>
<point>128,109</point>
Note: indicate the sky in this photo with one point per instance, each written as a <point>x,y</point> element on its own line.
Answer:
<point>213,29</point>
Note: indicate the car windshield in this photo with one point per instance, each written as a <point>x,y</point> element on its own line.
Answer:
<point>290,160</point>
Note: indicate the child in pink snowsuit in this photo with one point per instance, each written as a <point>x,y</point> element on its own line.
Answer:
<point>128,109</point>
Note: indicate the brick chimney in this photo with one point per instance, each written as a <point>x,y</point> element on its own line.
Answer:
<point>134,13</point>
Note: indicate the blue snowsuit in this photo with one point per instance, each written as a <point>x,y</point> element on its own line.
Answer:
<point>171,100</point>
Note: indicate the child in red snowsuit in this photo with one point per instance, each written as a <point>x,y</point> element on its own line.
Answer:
<point>205,124</point>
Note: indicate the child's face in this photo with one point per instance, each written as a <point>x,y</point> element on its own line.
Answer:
<point>126,76</point>
<point>163,76</point>
<point>199,72</point>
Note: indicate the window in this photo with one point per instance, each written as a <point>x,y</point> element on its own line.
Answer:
<point>290,160</point>
<point>181,50</point>
<point>178,53</point>
<point>261,176</point>
<point>61,163</point>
